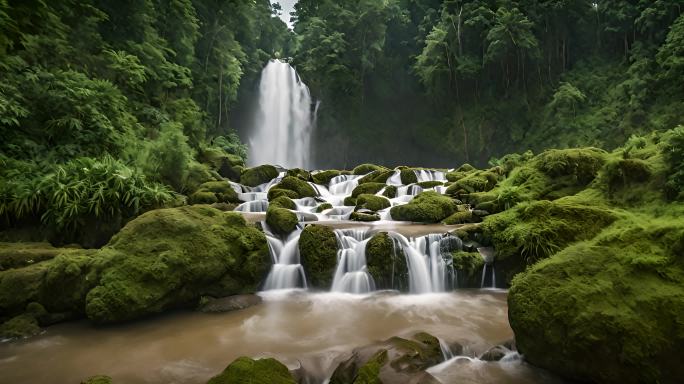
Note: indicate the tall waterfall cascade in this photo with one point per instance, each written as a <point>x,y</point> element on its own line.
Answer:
<point>284,119</point>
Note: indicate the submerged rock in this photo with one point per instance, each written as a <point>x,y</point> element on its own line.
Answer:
<point>318,253</point>
<point>495,353</point>
<point>227,304</point>
<point>396,360</point>
<point>427,207</point>
<point>261,371</point>
<point>99,379</point>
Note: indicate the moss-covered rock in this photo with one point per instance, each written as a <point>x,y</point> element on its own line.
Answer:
<point>468,268</point>
<point>427,207</point>
<point>429,184</point>
<point>226,164</point>
<point>300,187</point>
<point>350,201</point>
<point>408,176</point>
<point>324,177</point>
<point>171,257</point>
<point>18,255</point>
<point>459,217</point>
<point>475,181</point>
<point>261,371</point>
<point>379,176</point>
<point>367,168</point>
<point>386,263</point>
<point>19,327</point>
<point>214,192</point>
<point>299,173</point>
<point>323,207</point>
<point>367,188</point>
<point>581,163</point>
<point>607,310</point>
<point>280,220</point>
<point>621,173</point>
<point>99,379</point>
<point>372,202</point>
<point>364,216</point>
<point>282,202</point>
<point>258,175</point>
<point>318,253</point>
<point>390,192</point>
<point>275,193</point>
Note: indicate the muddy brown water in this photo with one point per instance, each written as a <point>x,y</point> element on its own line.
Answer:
<point>312,330</point>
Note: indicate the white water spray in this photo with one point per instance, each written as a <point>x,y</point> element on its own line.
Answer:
<point>284,119</point>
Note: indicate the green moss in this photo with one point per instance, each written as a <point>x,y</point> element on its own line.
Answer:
<point>350,201</point>
<point>429,184</point>
<point>261,371</point>
<point>99,379</point>
<point>581,163</point>
<point>379,176</point>
<point>468,267</point>
<point>408,176</point>
<point>465,168</point>
<point>361,216</point>
<point>386,263</point>
<point>459,218</point>
<point>281,221</point>
<point>475,181</point>
<point>372,202</point>
<point>367,168</point>
<point>427,207</point>
<point>390,191</point>
<point>418,353</point>
<point>282,202</point>
<point>203,197</point>
<point>274,193</point>
<point>610,309</point>
<point>20,327</point>
<point>323,207</point>
<point>324,177</point>
<point>369,373</point>
<point>222,189</point>
<point>17,255</point>
<point>299,173</point>
<point>258,175</point>
<point>171,257</point>
<point>620,173</point>
<point>367,188</point>
<point>300,187</point>
<point>318,252</point>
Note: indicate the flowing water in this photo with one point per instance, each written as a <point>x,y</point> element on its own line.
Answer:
<point>284,119</point>
<point>316,330</point>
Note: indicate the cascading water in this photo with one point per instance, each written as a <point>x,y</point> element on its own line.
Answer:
<point>429,263</point>
<point>351,274</point>
<point>284,119</point>
<point>287,271</point>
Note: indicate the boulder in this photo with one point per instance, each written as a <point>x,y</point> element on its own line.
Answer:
<point>427,207</point>
<point>372,202</point>
<point>318,253</point>
<point>99,379</point>
<point>364,216</point>
<point>258,175</point>
<point>300,188</point>
<point>280,220</point>
<point>367,188</point>
<point>261,371</point>
<point>386,263</point>
<point>324,177</point>
<point>367,168</point>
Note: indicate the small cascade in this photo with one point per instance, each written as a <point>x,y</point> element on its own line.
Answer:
<point>430,267</point>
<point>343,184</point>
<point>351,274</point>
<point>287,271</point>
<point>253,206</point>
<point>487,254</point>
<point>409,190</point>
<point>429,175</point>
<point>446,350</point>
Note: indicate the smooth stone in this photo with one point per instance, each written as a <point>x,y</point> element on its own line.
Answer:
<point>495,353</point>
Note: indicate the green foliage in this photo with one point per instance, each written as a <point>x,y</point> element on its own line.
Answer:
<point>673,151</point>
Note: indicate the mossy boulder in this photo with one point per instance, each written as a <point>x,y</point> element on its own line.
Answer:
<point>386,263</point>
<point>261,371</point>
<point>367,188</point>
<point>427,207</point>
<point>226,164</point>
<point>350,201</point>
<point>20,327</point>
<point>390,192</point>
<point>280,220</point>
<point>275,193</point>
<point>282,202</point>
<point>258,175</point>
<point>18,255</point>
<point>99,379</point>
<point>379,176</point>
<point>323,207</point>
<point>582,163</point>
<point>318,253</point>
<point>621,173</point>
<point>429,184</point>
<point>324,177</point>
<point>214,192</point>
<point>364,216</point>
<point>300,188</point>
<point>367,168</point>
<point>171,257</point>
<point>372,202</point>
<point>459,217</point>
<point>396,360</point>
<point>299,173</point>
<point>468,268</point>
<point>475,181</point>
<point>408,176</point>
<point>607,310</point>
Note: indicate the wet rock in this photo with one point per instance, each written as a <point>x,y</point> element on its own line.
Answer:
<point>367,188</point>
<point>396,360</point>
<point>324,177</point>
<point>367,168</point>
<point>258,175</point>
<point>495,353</point>
<point>362,216</point>
<point>261,371</point>
<point>227,304</point>
<point>318,252</point>
<point>480,213</point>
<point>20,327</point>
<point>280,220</point>
<point>99,379</point>
<point>386,263</point>
<point>300,188</point>
<point>372,202</point>
<point>427,207</point>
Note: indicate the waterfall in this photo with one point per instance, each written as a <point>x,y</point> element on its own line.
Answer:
<point>487,254</point>
<point>287,271</point>
<point>284,119</point>
<point>253,206</point>
<point>351,274</point>
<point>429,262</point>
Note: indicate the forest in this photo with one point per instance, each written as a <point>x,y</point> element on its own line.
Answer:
<point>342,191</point>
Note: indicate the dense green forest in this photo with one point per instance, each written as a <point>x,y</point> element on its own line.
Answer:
<point>108,108</point>
<point>469,80</point>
